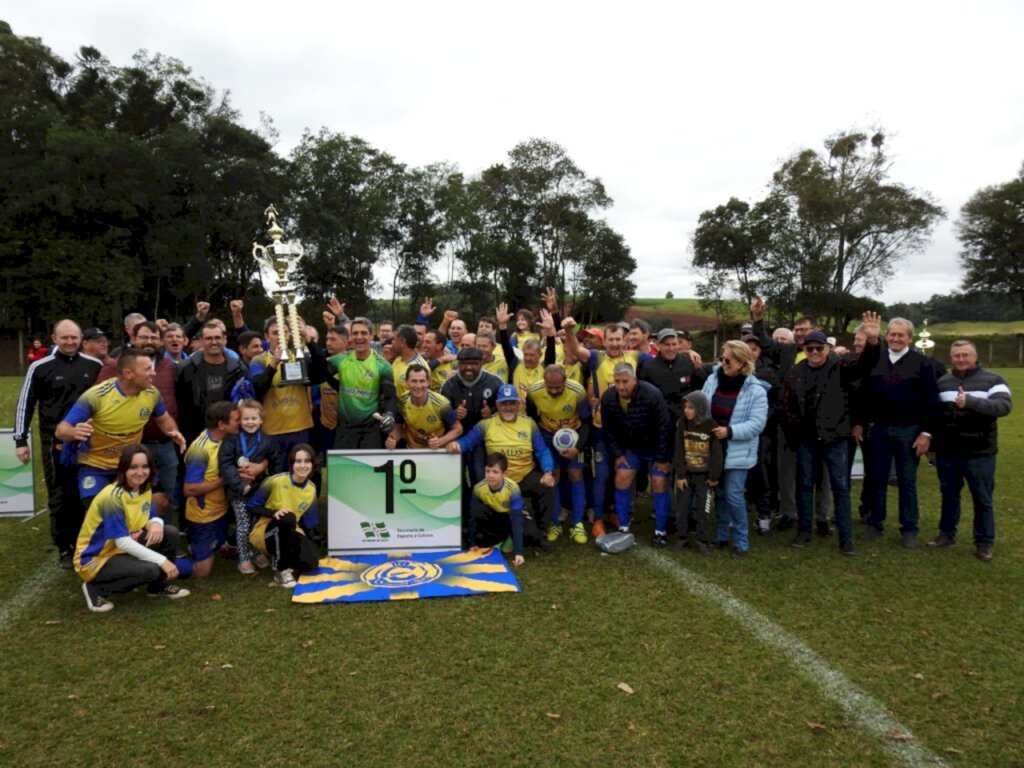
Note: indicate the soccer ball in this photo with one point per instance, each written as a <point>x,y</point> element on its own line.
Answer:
<point>564,439</point>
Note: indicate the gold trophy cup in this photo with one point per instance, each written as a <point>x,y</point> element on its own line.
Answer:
<point>282,256</point>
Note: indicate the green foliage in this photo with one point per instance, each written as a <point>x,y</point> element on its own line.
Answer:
<point>832,224</point>
<point>991,230</point>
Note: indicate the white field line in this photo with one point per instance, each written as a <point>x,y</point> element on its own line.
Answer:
<point>870,715</point>
<point>35,585</point>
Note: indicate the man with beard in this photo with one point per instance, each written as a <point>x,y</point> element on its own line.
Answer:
<point>517,437</point>
<point>472,392</point>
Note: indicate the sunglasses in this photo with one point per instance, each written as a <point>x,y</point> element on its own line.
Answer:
<point>814,348</point>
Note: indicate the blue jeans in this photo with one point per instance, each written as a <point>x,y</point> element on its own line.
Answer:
<point>731,506</point>
<point>165,457</point>
<point>890,442</point>
<point>980,474</point>
<point>810,456</point>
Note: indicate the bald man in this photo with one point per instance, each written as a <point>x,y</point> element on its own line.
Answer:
<point>55,382</point>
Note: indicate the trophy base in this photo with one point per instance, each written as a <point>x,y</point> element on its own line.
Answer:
<point>294,373</point>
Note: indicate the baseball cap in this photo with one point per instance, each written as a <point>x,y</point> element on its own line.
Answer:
<point>624,325</point>
<point>469,353</point>
<point>91,334</point>
<point>750,337</point>
<point>596,332</point>
<point>667,333</point>
<point>815,336</point>
<point>507,393</point>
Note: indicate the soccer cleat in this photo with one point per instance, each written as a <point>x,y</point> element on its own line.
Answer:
<point>579,534</point>
<point>623,529</point>
<point>659,539</point>
<point>246,567</point>
<point>941,542</point>
<point>801,541</point>
<point>171,592</point>
<point>93,601</point>
<point>598,529</point>
<point>764,526</point>
<point>506,545</point>
<point>847,548</point>
<point>554,532</point>
<point>285,578</point>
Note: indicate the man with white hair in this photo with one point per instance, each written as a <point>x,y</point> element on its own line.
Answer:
<point>973,400</point>
<point>903,399</point>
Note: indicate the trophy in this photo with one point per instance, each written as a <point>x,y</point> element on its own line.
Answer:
<point>281,256</point>
<point>925,343</point>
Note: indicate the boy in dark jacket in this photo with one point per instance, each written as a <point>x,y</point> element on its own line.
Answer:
<point>245,460</point>
<point>698,465</point>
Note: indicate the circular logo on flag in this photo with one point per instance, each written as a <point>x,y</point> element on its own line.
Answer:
<point>401,574</point>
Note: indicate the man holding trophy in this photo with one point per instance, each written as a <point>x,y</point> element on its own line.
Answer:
<point>281,377</point>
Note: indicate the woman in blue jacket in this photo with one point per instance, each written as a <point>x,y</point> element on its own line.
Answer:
<point>739,405</point>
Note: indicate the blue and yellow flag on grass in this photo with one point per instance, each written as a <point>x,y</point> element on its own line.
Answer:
<point>406,576</point>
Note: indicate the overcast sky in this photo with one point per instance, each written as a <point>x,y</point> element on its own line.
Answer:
<point>675,108</point>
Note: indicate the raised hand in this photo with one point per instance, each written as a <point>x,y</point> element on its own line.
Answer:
<point>757,307</point>
<point>329,319</point>
<point>336,307</point>
<point>236,306</point>
<point>568,323</point>
<point>501,314</point>
<point>872,325</point>
<point>451,315</point>
<point>547,323</point>
<point>202,310</point>
<point>550,298</point>
<point>427,307</point>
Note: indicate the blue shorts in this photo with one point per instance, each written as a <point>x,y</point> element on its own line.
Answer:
<point>637,460</point>
<point>92,480</point>
<point>204,539</point>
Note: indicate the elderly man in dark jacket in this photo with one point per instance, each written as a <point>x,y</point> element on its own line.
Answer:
<point>816,420</point>
<point>639,431</point>
<point>973,400</point>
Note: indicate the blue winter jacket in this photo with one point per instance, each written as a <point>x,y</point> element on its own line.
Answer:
<point>747,421</point>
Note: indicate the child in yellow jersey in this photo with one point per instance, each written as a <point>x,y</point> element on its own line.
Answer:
<point>206,503</point>
<point>123,544</point>
<point>497,514</point>
<point>281,502</point>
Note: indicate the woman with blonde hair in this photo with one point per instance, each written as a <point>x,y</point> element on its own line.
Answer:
<point>739,405</point>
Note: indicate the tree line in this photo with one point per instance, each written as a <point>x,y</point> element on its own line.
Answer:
<point>832,228</point>
<point>137,188</point>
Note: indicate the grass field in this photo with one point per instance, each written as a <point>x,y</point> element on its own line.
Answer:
<point>713,650</point>
<point>971,329</point>
<point>738,309</point>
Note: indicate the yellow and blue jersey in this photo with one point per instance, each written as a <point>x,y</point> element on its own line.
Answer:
<point>568,409</point>
<point>602,372</point>
<point>498,367</point>
<point>574,370</point>
<point>505,499</point>
<point>279,492</point>
<point>201,465</point>
<point>520,440</point>
<point>400,366</point>
<point>434,417</point>
<point>328,406</point>
<point>117,420</point>
<point>114,512</point>
<point>439,374</point>
<point>523,378</point>
<point>285,409</point>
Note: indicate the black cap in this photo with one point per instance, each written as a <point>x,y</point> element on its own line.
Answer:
<point>750,337</point>
<point>90,334</point>
<point>470,353</point>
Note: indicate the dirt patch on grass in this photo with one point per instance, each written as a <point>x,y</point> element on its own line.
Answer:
<point>680,320</point>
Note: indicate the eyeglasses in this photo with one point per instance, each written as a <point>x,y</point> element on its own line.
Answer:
<point>814,348</point>
<point>725,359</point>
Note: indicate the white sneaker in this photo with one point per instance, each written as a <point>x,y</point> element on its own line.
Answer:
<point>764,525</point>
<point>246,567</point>
<point>94,602</point>
<point>285,578</point>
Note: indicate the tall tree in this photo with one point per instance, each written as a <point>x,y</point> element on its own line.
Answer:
<point>991,230</point>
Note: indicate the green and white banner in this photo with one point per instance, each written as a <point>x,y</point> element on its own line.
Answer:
<point>16,479</point>
<point>383,501</point>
